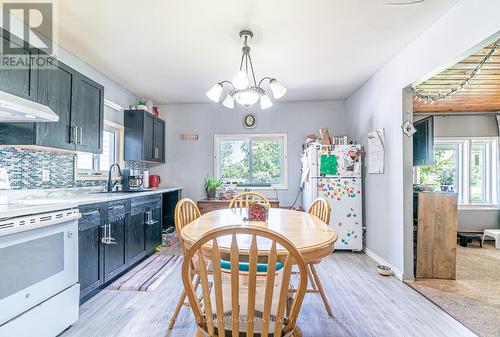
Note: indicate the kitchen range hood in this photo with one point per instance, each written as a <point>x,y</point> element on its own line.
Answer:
<point>14,109</point>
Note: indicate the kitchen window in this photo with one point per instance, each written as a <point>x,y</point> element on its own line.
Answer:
<point>252,160</point>
<point>468,166</point>
<point>91,165</point>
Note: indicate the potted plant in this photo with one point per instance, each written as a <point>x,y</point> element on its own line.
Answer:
<point>211,185</point>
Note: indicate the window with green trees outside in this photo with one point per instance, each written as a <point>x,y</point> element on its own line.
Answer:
<point>253,160</point>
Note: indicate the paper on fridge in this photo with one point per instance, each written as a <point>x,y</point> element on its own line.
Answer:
<point>376,151</point>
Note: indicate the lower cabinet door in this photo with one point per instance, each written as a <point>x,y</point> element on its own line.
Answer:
<point>152,230</point>
<point>135,236</point>
<point>114,248</point>
<point>90,255</point>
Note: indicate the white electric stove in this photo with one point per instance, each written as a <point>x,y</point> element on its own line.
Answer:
<point>39,290</point>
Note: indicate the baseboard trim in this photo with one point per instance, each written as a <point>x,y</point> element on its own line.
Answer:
<point>398,274</point>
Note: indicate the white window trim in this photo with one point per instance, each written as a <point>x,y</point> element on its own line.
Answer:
<point>492,171</point>
<point>284,168</point>
<point>120,151</point>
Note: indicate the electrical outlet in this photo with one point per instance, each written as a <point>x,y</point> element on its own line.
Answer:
<point>45,175</point>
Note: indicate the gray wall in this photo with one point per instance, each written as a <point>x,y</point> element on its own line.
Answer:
<point>188,161</point>
<point>475,125</point>
<point>379,103</point>
<point>470,126</point>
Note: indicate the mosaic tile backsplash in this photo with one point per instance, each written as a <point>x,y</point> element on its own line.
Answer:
<point>24,167</point>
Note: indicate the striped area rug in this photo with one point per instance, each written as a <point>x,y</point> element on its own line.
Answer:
<point>148,274</point>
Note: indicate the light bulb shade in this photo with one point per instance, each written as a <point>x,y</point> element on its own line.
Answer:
<point>240,80</point>
<point>228,102</point>
<point>215,92</point>
<point>277,88</point>
<point>247,97</point>
<point>265,102</point>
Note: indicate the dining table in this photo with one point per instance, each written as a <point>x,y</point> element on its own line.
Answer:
<point>313,238</point>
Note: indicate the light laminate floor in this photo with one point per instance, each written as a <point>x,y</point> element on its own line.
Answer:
<point>364,304</point>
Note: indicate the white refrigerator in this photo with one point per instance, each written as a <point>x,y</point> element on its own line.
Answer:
<point>334,173</point>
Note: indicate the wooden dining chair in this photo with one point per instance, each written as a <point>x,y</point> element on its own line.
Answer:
<point>250,290</point>
<point>321,209</point>
<point>185,212</point>
<point>242,200</point>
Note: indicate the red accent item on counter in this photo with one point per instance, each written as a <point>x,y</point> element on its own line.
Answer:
<point>154,181</point>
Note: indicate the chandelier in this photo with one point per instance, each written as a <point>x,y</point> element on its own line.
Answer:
<point>244,88</point>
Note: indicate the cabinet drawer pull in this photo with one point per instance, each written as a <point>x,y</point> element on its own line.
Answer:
<point>90,213</point>
<point>80,141</point>
<point>156,153</point>
<point>74,135</point>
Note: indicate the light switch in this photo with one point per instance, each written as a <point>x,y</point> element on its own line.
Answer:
<point>45,175</point>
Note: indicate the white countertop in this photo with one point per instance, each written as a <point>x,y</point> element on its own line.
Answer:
<point>23,202</point>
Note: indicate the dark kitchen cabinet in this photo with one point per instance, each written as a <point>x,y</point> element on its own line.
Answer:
<point>144,136</point>
<point>423,142</point>
<point>88,116</point>
<point>114,240</point>
<point>90,249</point>
<point>152,229</point>
<point>114,236</point>
<point>159,140</point>
<point>55,90</point>
<point>135,229</point>
<point>76,99</point>
<point>19,80</point>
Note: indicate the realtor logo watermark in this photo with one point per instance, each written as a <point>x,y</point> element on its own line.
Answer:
<point>28,34</point>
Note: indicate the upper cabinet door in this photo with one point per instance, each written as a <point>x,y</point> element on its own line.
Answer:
<point>19,81</point>
<point>159,140</point>
<point>54,90</point>
<point>88,114</point>
<point>148,137</point>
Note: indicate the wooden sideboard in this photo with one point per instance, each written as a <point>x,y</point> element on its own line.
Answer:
<point>435,234</point>
<point>207,205</point>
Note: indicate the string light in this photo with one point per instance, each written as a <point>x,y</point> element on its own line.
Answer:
<point>461,86</point>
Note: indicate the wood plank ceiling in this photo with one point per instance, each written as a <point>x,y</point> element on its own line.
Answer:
<point>481,94</point>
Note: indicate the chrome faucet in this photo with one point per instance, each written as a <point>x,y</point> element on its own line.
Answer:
<point>111,184</point>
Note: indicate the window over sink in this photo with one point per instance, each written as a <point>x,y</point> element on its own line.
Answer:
<point>96,166</point>
<point>252,160</point>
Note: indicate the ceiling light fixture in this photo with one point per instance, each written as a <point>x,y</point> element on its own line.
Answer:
<point>244,88</point>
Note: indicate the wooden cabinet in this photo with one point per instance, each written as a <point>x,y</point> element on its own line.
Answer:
<point>19,81</point>
<point>153,225</point>
<point>115,260</point>
<point>435,234</point>
<point>144,136</point>
<point>76,99</point>
<point>55,87</point>
<point>423,142</point>
<point>133,229</point>
<point>90,249</point>
<point>208,205</point>
<point>88,116</point>
<point>158,140</point>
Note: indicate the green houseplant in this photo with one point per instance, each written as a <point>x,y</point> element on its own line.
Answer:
<point>211,185</point>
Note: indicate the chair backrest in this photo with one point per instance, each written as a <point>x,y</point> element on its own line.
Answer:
<point>321,209</point>
<point>185,212</point>
<point>242,200</point>
<point>255,302</point>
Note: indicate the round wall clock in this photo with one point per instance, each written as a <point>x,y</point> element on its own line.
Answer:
<point>249,121</point>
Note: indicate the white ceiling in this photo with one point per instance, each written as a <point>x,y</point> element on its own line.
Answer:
<point>174,51</point>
